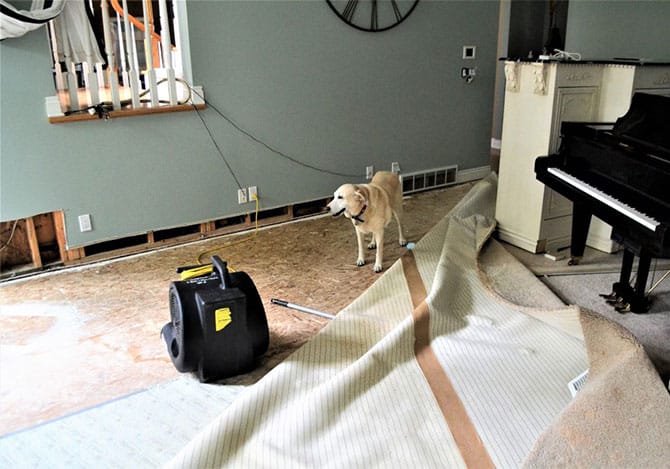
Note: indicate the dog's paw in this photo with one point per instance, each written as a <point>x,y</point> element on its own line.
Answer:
<point>378,268</point>
<point>372,245</point>
<point>360,262</point>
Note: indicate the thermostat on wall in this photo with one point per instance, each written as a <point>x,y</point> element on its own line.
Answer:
<point>469,52</point>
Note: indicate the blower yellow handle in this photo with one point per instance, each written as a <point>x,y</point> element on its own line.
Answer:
<point>186,273</point>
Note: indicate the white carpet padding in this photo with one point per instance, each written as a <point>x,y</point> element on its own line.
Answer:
<point>356,395</point>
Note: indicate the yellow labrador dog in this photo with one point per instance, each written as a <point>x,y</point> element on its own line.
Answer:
<point>370,208</point>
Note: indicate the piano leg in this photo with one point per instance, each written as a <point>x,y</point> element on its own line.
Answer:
<point>629,299</point>
<point>626,267</point>
<point>642,273</point>
<point>622,288</point>
<point>581,219</point>
<point>640,302</point>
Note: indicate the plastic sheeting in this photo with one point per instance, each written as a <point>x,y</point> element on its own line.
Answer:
<point>15,22</point>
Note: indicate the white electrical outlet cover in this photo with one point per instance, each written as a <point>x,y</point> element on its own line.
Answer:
<point>85,222</point>
<point>242,196</point>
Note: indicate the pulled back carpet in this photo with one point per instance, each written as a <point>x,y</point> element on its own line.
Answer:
<point>427,368</point>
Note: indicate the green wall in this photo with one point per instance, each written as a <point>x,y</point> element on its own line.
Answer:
<point>617,28</point>
<point>291,73</point>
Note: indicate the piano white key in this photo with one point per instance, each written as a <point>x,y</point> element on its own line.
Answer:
<point>608,200</point>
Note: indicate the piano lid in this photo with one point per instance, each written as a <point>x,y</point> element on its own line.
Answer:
<point>647,123</point>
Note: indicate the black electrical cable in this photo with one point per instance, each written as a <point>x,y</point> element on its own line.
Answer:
<point>272,149</point>
<point>102,110</point>
<point>216,145</point>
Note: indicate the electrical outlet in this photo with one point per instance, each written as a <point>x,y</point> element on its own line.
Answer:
<point>253,193</point>
<point>242,196</point>
<point>85,223</point>
<point>395,167</point>
<point>369,172</point>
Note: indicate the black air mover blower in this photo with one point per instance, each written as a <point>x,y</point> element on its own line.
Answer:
<point>218,326</point>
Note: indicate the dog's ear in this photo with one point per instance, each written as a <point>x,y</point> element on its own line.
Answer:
<point>361,194</point>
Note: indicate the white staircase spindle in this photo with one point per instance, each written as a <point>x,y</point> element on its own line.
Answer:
<point>122,51</point>
<point>51,29</point>
<point>112,76</point>
<point>131,56</point>
<point>166,43</point>
<point>90,82</point>
<point>88,70</point>
<point>148,54</point>
<point>69,65</point>
<point>136,57</point>
<point>88,65</point>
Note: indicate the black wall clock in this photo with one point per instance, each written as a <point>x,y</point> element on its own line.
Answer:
<point>373,15</point>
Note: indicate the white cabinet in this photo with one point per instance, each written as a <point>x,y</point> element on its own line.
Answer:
<point>538,98</point>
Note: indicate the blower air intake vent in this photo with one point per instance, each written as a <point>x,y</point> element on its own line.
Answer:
<point>430,179</point>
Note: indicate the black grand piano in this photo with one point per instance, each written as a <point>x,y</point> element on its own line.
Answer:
<point>621,173</point>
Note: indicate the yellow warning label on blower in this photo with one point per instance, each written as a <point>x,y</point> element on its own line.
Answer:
<point>222,317</point>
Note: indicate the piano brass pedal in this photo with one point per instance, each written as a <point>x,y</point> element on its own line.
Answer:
<point>615,301</point>
<point>622,307</point>
<point>620,302</point>
<point>609,296</point>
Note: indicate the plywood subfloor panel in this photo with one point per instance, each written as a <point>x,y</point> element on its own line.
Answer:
<point>83,336</point>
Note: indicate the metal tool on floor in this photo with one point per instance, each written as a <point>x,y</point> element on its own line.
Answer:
<point>218,326</point>
<point>303,309</point>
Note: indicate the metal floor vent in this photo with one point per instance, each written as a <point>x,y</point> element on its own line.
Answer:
<point>430,179</point>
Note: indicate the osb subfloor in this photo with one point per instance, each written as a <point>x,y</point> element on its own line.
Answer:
<point>80,337</point>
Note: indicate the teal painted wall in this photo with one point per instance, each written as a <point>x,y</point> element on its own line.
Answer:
<point>619,28</point>
<point>289,72</point>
